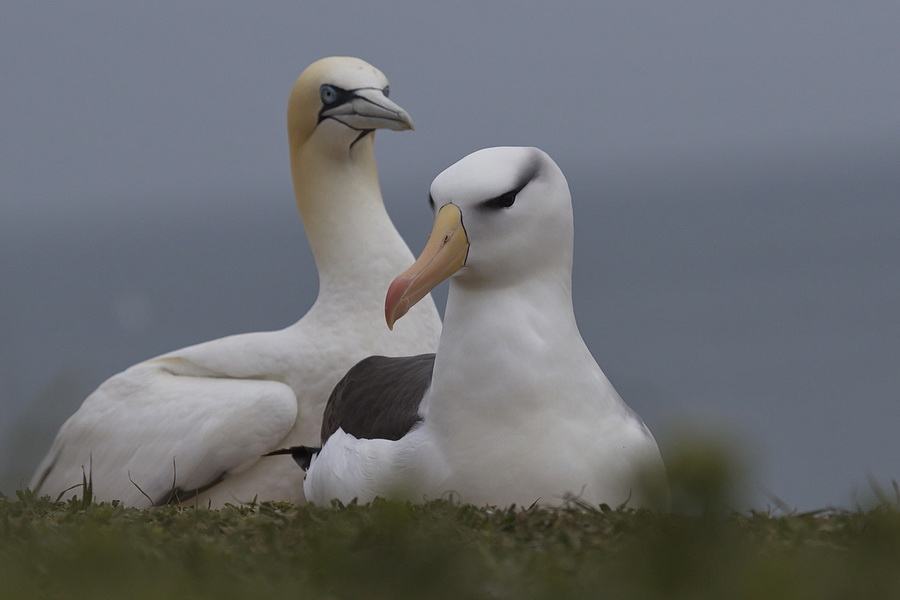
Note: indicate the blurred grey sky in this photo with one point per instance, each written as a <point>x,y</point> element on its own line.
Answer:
<point>735,169</point>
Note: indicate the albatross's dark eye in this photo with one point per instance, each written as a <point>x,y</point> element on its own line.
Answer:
<point>386,91</point>
<point>328,94</point>
<point>502,201</point>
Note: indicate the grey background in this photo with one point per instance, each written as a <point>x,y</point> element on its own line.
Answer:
<point>735,169</point>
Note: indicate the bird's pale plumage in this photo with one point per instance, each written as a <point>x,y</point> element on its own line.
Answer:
<point>192,424</point>
<point>517,411</point>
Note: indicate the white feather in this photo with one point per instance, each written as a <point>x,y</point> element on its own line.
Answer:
<point>182,420</point>
<point>518,410</point>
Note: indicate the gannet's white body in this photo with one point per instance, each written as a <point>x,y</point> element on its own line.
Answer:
<point>518,411</point>
<point>191,425</point>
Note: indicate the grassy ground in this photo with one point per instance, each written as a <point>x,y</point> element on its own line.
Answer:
<point>440,550</point>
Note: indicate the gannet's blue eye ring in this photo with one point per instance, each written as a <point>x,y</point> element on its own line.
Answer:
<point>386,91</point>
<point>328,94</point>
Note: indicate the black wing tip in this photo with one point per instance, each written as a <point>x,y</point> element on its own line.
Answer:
<point>302,455</point>
<point>279,451</point>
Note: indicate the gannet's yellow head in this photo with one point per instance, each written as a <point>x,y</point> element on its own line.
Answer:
<point>344,100</point>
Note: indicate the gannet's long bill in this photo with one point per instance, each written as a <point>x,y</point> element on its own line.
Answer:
<point>517,410</point>
<point>192,424</point>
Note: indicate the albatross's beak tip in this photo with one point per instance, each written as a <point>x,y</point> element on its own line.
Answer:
<point>396,304</point>
<point>444,254</point>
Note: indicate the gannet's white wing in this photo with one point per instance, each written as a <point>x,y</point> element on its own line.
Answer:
<point>205,414</point>
<point>165,430</point>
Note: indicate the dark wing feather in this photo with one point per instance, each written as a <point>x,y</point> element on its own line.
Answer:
<point>379,397</point>
<point>302,455</point>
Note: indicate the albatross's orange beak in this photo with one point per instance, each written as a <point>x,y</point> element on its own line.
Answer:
<point>444,254</point>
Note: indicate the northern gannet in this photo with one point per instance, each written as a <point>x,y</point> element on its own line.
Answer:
<point>191,425</point>
<point>516,409</point>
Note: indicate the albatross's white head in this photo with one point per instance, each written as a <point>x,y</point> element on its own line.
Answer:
<point>340,101</point>
<point>503,215</point>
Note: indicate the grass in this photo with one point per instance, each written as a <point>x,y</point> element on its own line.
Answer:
<point>439,550</point>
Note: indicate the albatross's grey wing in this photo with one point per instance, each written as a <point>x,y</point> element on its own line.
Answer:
<point>379,397</point>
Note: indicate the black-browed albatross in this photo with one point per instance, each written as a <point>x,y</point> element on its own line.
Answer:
<point>516,411</point>
<point>190,425</point>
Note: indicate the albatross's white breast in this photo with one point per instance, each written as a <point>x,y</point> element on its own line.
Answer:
<point>517,411</point>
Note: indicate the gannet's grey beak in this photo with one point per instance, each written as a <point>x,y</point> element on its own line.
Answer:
<point>369,108</point>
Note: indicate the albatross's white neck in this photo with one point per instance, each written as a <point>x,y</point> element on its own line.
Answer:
<point>510,350</point>
<point>353,241</point>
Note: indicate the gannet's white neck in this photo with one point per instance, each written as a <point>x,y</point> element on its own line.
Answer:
<point>352,238</point>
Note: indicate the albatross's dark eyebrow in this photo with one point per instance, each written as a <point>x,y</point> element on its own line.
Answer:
<point>529,172</point>
<point>507,199</point>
